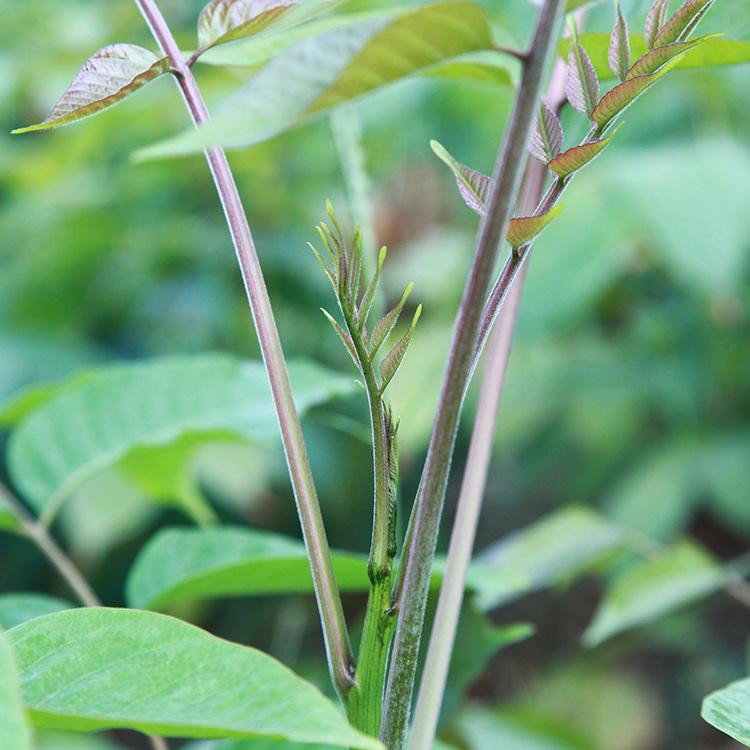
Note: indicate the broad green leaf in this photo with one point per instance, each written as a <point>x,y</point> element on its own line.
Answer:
<point>98,668</point>
<point>547,137</point>
<point>495,71</point>
<point>523,229</point>
<point>682,22</point>
<point>574,158</point>
<point>728,709</point>
<point>106,78</point>
<point>321,72</point>
<point>121,408</point>
<point>547,552</point>
<point>19,607</point>
<point>14,730</point>
<point>179,564</point>
<point>474,186</point>
<point>715,51</point>
<point>651,589</point>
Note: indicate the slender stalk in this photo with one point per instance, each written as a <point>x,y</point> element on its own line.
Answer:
<point>338,650</point>
<point>415,571</point>
<point>38,533</point>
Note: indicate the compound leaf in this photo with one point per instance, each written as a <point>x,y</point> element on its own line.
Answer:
<point>582,84</point>
<point>474,186</point>
<point>619,45</point>
<point>653,60</point>
<point>392,361</point>
<point>728,709</point>
<point>655,21</point>
<point>106,78</point>
<point>574,158</point>
<point>97,668</point>
<point>523,229</point>
<point>547,136</point>
<point>682,22</point>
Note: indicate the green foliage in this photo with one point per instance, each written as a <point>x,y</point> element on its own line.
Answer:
<point>20,607</point>
<point>15,731</point>
<point>125,668</point>
<point>570,161</point>
<point>727,710</point>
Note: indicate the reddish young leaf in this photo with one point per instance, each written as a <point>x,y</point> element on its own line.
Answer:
<point>574,158</point>
<point>547,136</point>
<point>582,85</point>
<point>682,22</point>
<point>106,78</point>
<point>474,186</point>
<point>655,58</point>
<point>654,21</point>
<point>523,229</point>
<point>619,45</point>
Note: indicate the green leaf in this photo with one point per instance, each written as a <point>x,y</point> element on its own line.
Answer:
<point>579,156</point>
<point>121,408</point>
<point>474,186</point>
<point>179,564</point>
<point>106,78</point>
<point>392,361</point>
<point>728,709</point>
<point>547,552</point>
<point>523,229</point>
<point>495,70</point>
<point>14,730</point>
<point>385,325</point>
<point>98,668</point>
<point>715,52</point>
<point>318,73</point>
<point>648,590</point>
<point>653,60</point>
<point>19,607</point>
<point>682,22</point>
<point>8,519</point>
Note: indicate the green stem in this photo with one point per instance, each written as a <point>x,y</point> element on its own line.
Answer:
<point>414,575</point>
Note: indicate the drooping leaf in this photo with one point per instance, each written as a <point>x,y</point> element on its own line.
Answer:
<point>651,589</point>
<point>728,709</point>
<point>582,84</point>
<point>618,99</point>
<point>546,552</point>
<point>682,22</point>
<point>98,668</point>
<point>715,52</point>
<point>121,408</point>
<point>385,325</point>
<point>14,729</point>
<point>19,607</point>
<point>655,19</point>
<point>619,45</point>
<point>574,158</point>
<point>106,78</point>
<point>474,186</point>
<point>547,136</point>
<point>523,229</point>
<point>320,72</point>
<point>392,361</point>
<point>187,563</point>
<point>653,60</point>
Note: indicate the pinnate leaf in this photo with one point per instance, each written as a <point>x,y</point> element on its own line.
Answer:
<point>582,84</point>
<point>574,158</point>
<point>98,668</point>
<point>657,14</point>
<point>474,186</point>
<point>655,58</point>
<point>14,730</point>
<point>392,361</point>
<point>728,709</point>
<point>106,78</point>
<point>619,45</point>
<point>523,229</point>
<point>385,325</point>
<point>682,22</point>
<point>547,136</point>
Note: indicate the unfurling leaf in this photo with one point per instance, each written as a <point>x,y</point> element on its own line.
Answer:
<point>474,186</point>
<point>655,58</point>
<point>582,85</point>
<point>367,298</point>
<point>389,366</point>
<point>654,21</point>
<point>343,335</point>
<point>523,229</point>
<point>574,158</point>
<point>547,137</point>
<point>106,78</point>
<point>682,22</point>
<point>386,323</point>
<point>225,20</point>
<point>619,45</point>
<point>616,101</point>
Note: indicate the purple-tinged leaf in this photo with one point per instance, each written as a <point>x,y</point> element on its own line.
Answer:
<point>616,101</point>
<point>619,45</point>
<point>655,58</point>
<point>547,136</point>
<point>392,361</point>
<point>106,78</point>
<point>523,229</point>
<point>574,158</point>
<point>582,85</point>
<point>387,322</point>
<point>682,22</point>
<point>474,186</point>
<point>654,21</point>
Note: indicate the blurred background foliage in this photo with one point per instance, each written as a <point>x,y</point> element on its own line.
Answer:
<point>629,384</point>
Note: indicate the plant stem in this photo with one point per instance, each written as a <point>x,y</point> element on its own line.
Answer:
<point>38,533</point>
<point>336,637</point>
<point>414,575</point>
